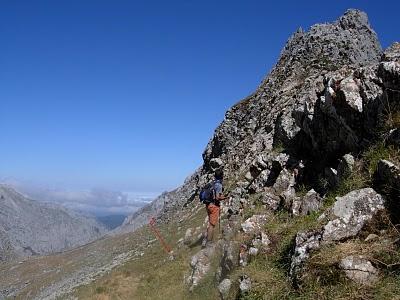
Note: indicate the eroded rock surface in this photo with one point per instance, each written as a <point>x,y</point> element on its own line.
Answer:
<point>351,212</point>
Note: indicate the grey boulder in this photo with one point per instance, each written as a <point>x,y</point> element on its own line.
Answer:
<point>351,212</point>
<point>359,269</point>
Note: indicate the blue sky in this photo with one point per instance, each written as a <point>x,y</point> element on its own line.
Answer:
<point>126,94</point>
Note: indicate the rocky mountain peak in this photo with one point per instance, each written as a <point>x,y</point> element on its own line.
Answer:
<point>265,118</point>
<point>354,18</point>
<point>348,41</point>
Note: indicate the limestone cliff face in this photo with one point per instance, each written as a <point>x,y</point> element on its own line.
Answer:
<point>29,227</point>
<point>281,110</point>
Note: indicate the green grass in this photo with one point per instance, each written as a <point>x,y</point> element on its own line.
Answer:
<point>100,289</point>
<point>269,272</point>
<point>357,179</point>
<point>377,152</point>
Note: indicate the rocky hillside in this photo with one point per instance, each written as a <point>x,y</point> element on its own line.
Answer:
<point>286,111</point>
<point>29,227</point>
<point>312,161</point>
<point>312,164</point>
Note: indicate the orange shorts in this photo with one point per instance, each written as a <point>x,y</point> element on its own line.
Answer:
<point>213,213</point>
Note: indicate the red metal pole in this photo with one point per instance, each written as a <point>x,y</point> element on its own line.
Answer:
<point>158,235</point>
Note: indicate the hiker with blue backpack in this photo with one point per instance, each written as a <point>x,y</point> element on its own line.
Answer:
<point>211,195</point>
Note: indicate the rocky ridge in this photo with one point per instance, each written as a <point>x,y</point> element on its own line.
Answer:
<point>312,162</point>
<point>288,110</point>
<point>332,95</point>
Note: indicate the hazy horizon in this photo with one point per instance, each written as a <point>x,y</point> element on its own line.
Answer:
<point>97,201</point>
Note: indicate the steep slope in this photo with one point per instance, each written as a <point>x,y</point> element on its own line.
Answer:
<point>312,160</point>
<point>301,158</point>
<point>29,227</point>
<point>266,118</point>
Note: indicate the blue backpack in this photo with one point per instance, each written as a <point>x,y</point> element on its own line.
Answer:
<point>207,193</point>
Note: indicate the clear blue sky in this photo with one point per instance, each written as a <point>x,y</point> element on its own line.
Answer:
<point>126,94</point>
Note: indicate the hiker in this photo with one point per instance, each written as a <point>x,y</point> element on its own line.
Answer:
<point>213,205</point>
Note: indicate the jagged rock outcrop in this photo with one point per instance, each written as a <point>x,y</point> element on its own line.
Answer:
<point>29,227</point>
<point>326,100</point>
<point>284,111</point>
<point>229,259</point>
<point>265,118</point>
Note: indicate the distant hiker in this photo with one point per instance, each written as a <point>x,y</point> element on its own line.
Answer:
<point>211,195</point>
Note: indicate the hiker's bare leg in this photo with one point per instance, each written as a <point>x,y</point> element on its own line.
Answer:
<point>210,232</point>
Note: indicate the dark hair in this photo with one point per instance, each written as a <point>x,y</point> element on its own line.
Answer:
<point>219,174</point>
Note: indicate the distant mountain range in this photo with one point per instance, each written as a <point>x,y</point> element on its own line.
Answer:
<point>29,227</point>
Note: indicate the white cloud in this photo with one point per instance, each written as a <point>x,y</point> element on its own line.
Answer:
<point>96,201</point>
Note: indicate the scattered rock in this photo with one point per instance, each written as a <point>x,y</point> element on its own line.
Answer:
<point>188,233</point>
<point>371,237</point>
<point>284,181</point>
<point>349,94</point>
<point>285,130</point>
<point>253,251</point>
<point>359,269</point>
<point>345,166</point>
<point>224,288</point>
<point>351,212</point>
<point>254,223</point>
<point>244,284</point>
<point>270,199</point>
<point>261,242</point>
<point>331,176</point>
<point>261,181</point>
<point>387,174</point>
<point>200,264</point>
<point>308,203</point>
<point>229,257</point>
<point>305,243</point>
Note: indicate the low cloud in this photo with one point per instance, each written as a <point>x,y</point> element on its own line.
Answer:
<point>96,201</point>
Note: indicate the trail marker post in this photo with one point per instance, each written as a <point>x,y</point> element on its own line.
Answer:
<point>152,224</point>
